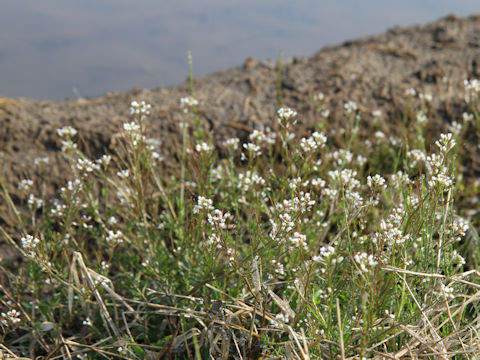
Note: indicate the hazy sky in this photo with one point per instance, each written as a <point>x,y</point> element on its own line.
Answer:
<point>50,47</point>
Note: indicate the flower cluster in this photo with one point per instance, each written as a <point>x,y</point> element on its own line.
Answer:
<point>415,157</point>
<point>472,89</point>
<point>285,115</point>
<point>218,219</point>
<point>249,179</point>
<point>252,149</point>
<point>86,166</point>
<point>421,118</point>
<point>114,237</point>
<point>315,142</point>
<point>231,144</point>
<point>263,137</point>
<point>376,182</point>
<point>445,292</point>
<point>140,108</point>
<point>66,132</point>
<point>391,232</point>
<point>280,320</point>
<point>40,161</point>
<point>188,103</point>
<point>204,147</point>
<point>11,317</point>
<point>203,204</point>
<point>365,261</point>
<point>29,244</point>
<point>350,107</point>
<point>445,143</point>
<point>298,240</point>
<point>25,185</point>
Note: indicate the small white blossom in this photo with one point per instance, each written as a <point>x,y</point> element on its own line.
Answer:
<point>286,116</point>
<point>231,144</point>
<point>428,98</point>
<point>410,92</point>
<point>376,182</point>
<point>10,317</point>
<point>140,108</point>
<point>66,132</point>
<point>350,107</point>
<point>41,161</point>
<point>114,237</point>
<point>203,147</point>
<point>188,103</point>
<point>421,118</point>
<point>365,261</point>
<point>446,142</point>
<point>25,185</point>
<point>203,204</point>
<point>29,244</point>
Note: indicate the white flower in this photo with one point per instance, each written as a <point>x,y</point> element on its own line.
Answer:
<point>66,132</point>
<point>11,317</point>
<point>410,92</point>
<point>376,181</point>
<point>203,147</point>
<point>131,127</point>
<point>446,142</point>
<point>298,240</point>
<point>428,98</point>
<point>415,157</point>
<point>114,237</point>
<point>29,243</point>
<point>286,116</point>
<point>140,108</point>
<point>25,185</point>
<point>125,173</point>
<point>467,117</point>
<point>188,103</point>
<point>365,261</point>
<point>379,135</point>
<point>104,160</point>
<point>421,118</point>
<point>253,149</point>
<point>202,204</point>
<point>315,142</point>
<point>86,166</point>
<point>231,144</point>
<point>41,160</point>
<point>350,107</point>
<point>218,219</point>
<point>442,181</point>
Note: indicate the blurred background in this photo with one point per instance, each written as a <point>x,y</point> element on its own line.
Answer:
<point>57,49</point>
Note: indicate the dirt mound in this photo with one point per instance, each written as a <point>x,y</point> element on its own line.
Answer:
<point>373,71</point>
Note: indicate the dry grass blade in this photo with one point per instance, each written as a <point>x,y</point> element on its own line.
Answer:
<point>77,258</point>
<point>340,329</point>
<point>285,306</point>
<point>181,342</point>
<point>256,276</point>
<point>438,276</point>
<point>437,339</point>
<point>303,354</point>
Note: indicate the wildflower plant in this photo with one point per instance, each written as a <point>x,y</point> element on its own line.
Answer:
<point>309,249</point>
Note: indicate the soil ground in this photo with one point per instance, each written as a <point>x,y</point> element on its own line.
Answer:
<point>372,71</point>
